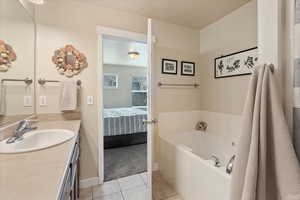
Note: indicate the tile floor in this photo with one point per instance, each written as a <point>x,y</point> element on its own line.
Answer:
<point>130,188</point>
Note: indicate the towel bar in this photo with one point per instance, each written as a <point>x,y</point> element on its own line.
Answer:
<point>44,81</point>
<point>180,85</point>
<point>27,81</point>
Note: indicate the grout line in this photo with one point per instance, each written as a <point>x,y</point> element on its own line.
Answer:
<point>120,189</point>
<point>92,193</point>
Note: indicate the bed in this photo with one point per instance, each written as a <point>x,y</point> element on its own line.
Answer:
<point>124,121</point>
<point>124,126</point>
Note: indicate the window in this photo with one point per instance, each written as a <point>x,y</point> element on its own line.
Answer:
<point>139,90</point>
<point>111,81</point>
<point>139,83</point>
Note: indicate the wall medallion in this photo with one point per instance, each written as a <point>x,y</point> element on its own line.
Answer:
<point>7,56</point>
<point>69,61</point>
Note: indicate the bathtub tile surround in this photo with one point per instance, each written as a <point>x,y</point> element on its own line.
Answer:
<point>227,126</point>
<point>185,154</point>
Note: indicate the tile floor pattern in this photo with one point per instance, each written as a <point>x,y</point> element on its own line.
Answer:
<point>130,188</point>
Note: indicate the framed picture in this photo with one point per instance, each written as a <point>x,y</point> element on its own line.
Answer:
<point>169,66</point>
<point>236,64</point>
<point>187,68</point>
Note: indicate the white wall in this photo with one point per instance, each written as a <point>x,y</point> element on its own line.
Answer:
<point>61,24</point>
<point>234,32</point>
<point>121,96</point>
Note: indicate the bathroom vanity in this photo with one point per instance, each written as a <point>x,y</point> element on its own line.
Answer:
<point>70,186</point>
<point>48,174</point>
<point>43,163</point>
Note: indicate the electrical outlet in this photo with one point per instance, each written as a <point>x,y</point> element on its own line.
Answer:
<point>90,100</point>
<point>27,101</point>
<point>43,101</point>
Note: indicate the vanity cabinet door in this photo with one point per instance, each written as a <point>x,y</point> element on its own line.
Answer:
<point>75,188</point>
<point>75,173</point>
<point>66,191</point>
<point>70,190</point>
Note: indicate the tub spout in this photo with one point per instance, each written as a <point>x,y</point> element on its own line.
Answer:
<point>229,166</point>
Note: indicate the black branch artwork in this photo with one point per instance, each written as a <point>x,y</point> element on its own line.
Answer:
<point>250,62</point>
<point>221,66</point>
<point>236,65</point>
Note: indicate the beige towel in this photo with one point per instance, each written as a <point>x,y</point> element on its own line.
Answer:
<point>2,99</point>
<point>68,97</point>
<point>266,167</point>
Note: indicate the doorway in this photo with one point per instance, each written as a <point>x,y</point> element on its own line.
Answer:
<point>124,107</point>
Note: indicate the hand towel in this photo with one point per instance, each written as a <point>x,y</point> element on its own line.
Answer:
<point>2,99</point>
<point>266,167</point>
<point>68,97</point>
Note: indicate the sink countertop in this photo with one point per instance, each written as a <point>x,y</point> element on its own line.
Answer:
<point>37,175</point>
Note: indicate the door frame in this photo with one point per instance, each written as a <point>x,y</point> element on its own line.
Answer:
<point>139,37</point>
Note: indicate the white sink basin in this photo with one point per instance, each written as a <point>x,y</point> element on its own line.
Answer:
<point>37,140</point>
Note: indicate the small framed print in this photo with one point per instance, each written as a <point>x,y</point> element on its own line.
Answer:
<point>169,66</point>
<point>187,68</point>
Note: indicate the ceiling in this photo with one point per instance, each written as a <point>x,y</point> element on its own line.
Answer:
<point>191,13</point>
<point>13,10</point>
<point>115,52</point>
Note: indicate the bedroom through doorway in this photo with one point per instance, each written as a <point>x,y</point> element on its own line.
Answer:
<point>124,108</point>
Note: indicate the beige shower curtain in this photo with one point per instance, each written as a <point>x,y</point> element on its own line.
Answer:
<point>266,167</point>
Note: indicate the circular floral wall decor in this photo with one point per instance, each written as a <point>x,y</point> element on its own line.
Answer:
<point>69,61</point>
<point>7,56</point>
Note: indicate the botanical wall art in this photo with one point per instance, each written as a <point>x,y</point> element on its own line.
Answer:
<point>169,66</point>
<point>236,64</point>
<point>69,61</point>
<point>187,68</point>
<point>7,56</point>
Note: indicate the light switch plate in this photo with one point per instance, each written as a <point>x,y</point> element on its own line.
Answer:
<point>27,101</point>
<point>43,101</point>
<point>90,100</point>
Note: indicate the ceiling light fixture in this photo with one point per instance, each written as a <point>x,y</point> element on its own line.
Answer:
<point>40,2</point>
<point>133,54</point>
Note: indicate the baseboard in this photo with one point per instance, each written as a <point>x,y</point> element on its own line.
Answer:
<point>89,182</point>
<point>155,166</point>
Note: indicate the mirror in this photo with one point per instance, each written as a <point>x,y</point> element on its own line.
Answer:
<point>17,60</point>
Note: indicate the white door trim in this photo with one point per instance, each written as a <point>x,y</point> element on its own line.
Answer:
<point>107,31</point>
<point>103,30</point>
<point>150,100</point>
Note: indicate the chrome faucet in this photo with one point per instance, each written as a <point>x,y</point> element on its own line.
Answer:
<point>229,166</point>
<point>23,127</point>
<point>217,161</point>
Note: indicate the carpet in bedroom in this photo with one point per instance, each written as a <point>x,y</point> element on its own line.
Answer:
<point>124,161</point>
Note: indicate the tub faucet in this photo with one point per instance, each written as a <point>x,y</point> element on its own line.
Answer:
<point>23,127</point>
<point>217,161</point>
<point>229,166</point>
<point>201,126</point>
